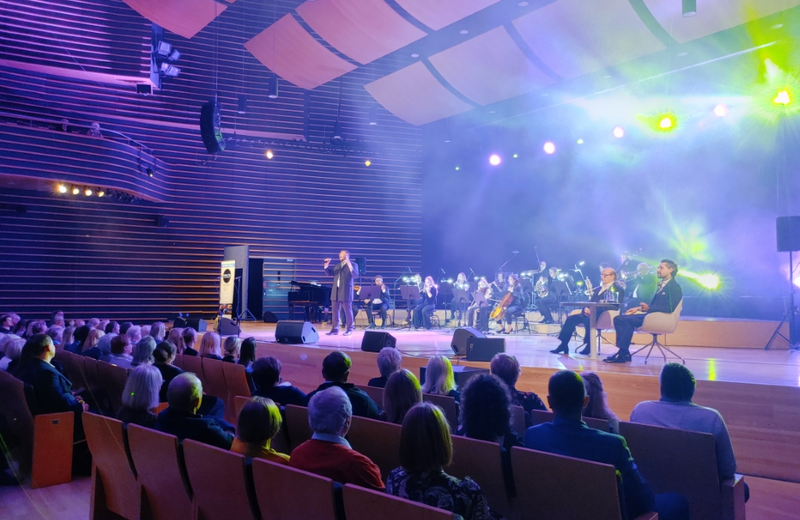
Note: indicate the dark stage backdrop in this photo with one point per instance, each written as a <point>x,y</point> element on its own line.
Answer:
<point>102,257</point>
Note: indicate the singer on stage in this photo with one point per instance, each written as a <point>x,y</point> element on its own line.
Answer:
<point>342,291</point>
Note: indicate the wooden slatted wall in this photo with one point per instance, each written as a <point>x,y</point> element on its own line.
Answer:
<point>102,257</point>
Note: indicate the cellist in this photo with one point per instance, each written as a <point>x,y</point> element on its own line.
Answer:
<point>514,303</point>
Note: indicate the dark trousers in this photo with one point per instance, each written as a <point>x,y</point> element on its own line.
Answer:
<point>348,312</point>
<point>624,325</point>
<point>381,307</point>
<point>412,304</point>
<point>568,329</point>
<point>471,313</point>
<point>511,313</point>
<point>483,317</point>
<point>422,315</point>
<point>459,306</point>
<point>544,305</point>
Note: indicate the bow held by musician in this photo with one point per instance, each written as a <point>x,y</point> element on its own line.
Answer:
<point>511,305</point>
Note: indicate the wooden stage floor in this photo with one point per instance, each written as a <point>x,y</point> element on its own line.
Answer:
<point>743,365</point>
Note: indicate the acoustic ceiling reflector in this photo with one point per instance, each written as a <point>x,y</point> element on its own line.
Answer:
<point>183,17</point>
<point>441,13</point>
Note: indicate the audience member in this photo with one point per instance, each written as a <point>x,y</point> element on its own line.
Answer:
<point>675,409</point>
<point>57,319</point>
<point>120,354</point>
<point>79,338</point>
<point>184,395</point>
<point>112,326</point>
<point>12,350</point>
<point>6,323</point>
<point>175,337</point>
<point>143,351</point>
<point>247,356</point>
<point>336,371</point>
<point>266,375</point>
<point>233,346</point>
<point>124,326</point>
<point>439,378</point>
<point>389,360</point>
<point>134,334</point>
<point>140,396</point>
<point>56,333</point>
<point>144,331</point>
<point>94,323</point>
<point>158,331</point>
<point>78,323</point>
<point>209,346</point>
<point>164,355</point>
<point>506,367</point>
<point>36,327</point>
<point>598,401</point>
<point>189,339</point>
<point>259,421</point>
<point>92,339</point>
<point>327,453</point>
<point>103,347</point>
<point>401,393</point>
<point>68,337</point>
<point>486,413</point>
<point>425,450</point>
<point>19,328</point>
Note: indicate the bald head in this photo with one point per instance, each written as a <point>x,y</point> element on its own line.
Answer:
<point>185,393</point>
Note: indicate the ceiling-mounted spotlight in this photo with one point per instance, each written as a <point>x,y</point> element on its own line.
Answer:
<point>87,191</point>
<point>169,70</point>
<point>175,55</point>
<point>150,172</point>
<point>689,8</point>
<point>75,190</point>
<point>62,188</point>
<point>273,86</point>
<point>337,132</point>
<point>242,109</point>
<point>373,115</point>
<point>101,192</point>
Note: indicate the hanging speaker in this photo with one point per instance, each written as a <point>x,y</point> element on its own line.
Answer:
<point>788,229</point>
<point>210,127</point>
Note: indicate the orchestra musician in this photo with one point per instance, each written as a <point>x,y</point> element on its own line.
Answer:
<point>499,285</point>
<point>609,284</point>
<point>628,265</point>
<point>641,286</point>
<point>415,281</point>
<point>342,291</point>
<point>482,307</point>
<point>426,306</point>
<point>380,304</point>
<point>547,295</point>
<point>515,307</point>
<point>459,306</point>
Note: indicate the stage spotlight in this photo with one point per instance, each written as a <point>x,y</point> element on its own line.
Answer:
<point>495,159</point>
<point>367,162</point>
<point>515,155</point>
<point>373,116</point>
<point>101,192</point>
<point>666,123</point>
<point>721,110</point>
<point>88,192</point>
<point>580,141</point>
<point>782,98</point>
<point>689,8</point>
<point>549,148</point>
<point>458,168</point>
<point>62,188</point>
<point>619,132</point>
<point>75,190</point>
<point>242,105</point>
<point>273,86</point>
<point>150,172</point>
<point>268,154</point>
<point>709,281</point>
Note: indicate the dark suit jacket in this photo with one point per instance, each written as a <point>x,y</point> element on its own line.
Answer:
<point>53,391</point>
<point>283,395</point>
<point>342,290</point>
<point>667,298</point>
<point>186,425</point>
<point>596,296</point>
<point>168,373</point>
<point>574,439</point>
<point>378,382</point>
<point>363,405</point>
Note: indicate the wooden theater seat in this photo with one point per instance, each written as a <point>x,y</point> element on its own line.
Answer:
<point>448,406</point>
<point>92,373</point>
<point>166,494</point>
<point>542,416</point>
<point>374,393</point>
<point>297,425</point>
<point>113,380</point>
<point>362,504</point>
<point>45,441</point>
<point>553,486</point>
<point>378,440</point>
<point>178,361</point>
<point>481,460</point>
<point>236,384</point>
<point>285,493</point>
<point>115,488</point>
<point>67,360</point>
<point>280,442</point>
<point>685,462</point>
<point>194,364</point>
<point>518,420</point>
<point>219,482</point>
<point>214,383</point>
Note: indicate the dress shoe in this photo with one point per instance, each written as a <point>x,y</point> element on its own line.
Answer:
<point>562,349</point>
<point>348,333</point>
<point>333,332</point>
<point>383,327</point>
<point>585,351</point>
<point>619,359</point>
<point>371,326</point>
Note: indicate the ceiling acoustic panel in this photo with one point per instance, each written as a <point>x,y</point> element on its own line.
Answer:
<point>183,17</point>
<point>577,37</point>
<point>489,68</point>
<point>414,95</point>
<point>364,30</point>
<point>712,15</point>
<point>289,51</point>
<point>441,13</point>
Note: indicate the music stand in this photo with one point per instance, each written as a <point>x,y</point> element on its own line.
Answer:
<point>459,296</point>
<point>407,293</point>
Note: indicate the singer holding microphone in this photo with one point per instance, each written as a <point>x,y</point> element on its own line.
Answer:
<point>342,291</point>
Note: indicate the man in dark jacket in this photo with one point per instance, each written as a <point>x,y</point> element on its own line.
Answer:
<point>336,370</point>
<point>342,291</point>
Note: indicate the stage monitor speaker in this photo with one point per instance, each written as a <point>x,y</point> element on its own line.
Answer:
<point>484,349</point>
<point>461,337</point>
<point>210,127</point>
<point>269,317</point>
<point>374,341</point>
<point>179,322</point>
<point>228,327</point>
<point>788,233</point>
<point>296,332</point>
<point>198,324</point>
<point>461,374</point>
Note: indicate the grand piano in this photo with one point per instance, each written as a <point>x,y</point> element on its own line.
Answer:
<point>315,299</point>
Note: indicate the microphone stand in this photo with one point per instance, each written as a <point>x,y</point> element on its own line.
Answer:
<point>394,300</point>
<point>513,254</point>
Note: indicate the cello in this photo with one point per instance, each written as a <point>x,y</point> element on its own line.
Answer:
<point>505,302</point>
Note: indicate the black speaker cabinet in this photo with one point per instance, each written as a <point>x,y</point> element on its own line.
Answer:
<point>178,322</point>
<point>461,374</point>
<point>788,233</point>
<point>484,349</point>
<point>461,337</point>
<point>198,324</point>
<point>374,341</point>
<point>269,317</point>
<point>296,332</point>
<point>228,327</point>
<point>210,127</point>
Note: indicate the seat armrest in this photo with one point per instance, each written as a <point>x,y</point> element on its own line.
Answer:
<point>733,498</point>
<point>652,515</point>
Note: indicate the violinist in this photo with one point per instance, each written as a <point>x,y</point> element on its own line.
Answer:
<point>513,302</point>
<point>547,295</point>
<point>481,306</point>
<point>499,285</point>
<point>380,304</point>
<point>460,306</point>
<point>414,281</point>
<point>426,306</point>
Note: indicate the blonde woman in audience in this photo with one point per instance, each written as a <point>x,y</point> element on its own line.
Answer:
<point>189,340</point>
<point>598,401</point>
<point>175,337</point>
<point>143,352</point>
<point>92,339</point>
<point>145,330</point>
<point>233,347</point>
<point>12,349</point>
<point>401,393</point>
<point>140,397</point>
<point>134,334</point>
<point>439,378</point>
<point>36,327</point>
<point>56,333</point>
<point>259,422</point>
<point>158,331</point>
<point>210,346</point>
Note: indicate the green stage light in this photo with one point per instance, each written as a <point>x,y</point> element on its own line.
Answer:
<point>709,281</point>
<point>782,98</point>
<point>666,123</point>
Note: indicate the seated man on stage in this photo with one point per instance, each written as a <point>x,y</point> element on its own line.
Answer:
<point>609,285</point>
<point>380,304</point>
<point>547,295</point>
<point>668,296</point>
<point>641,287</point>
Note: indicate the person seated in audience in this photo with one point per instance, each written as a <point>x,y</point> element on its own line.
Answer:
<point>506,367</point>
<point>36,327</point>
<point>389,360</point>
<point>247,355</point>
<point>143,351</point>
<point>92,339</point>
<point>6,323</point>
<point>103,347</point>
<point>135,334</point>
<point>140,396</point>
<point>79,337</point>
<point>189,340</point>
<point>93,323</point>
<point>439,378</point>
<point>124,326</point>
<point>426,448</point>
<point>486,413</point>
<point>210,346</point>
<point>68,337</point>
<point>598,401</point>
<point>259,421</point>
<point>57,319</point>
<point>158,331</point>
<point>568,435</point>
<point>327,453</point>
<point>175,337</point>
<point>120,354</point>
<point>164,355</point>
<point>401,393</point>
<point>232,347</point>
<point>56,333</point>
<point>78,323</point>
<point>145,330</point>
<point>112,327</point>
<point>19,328</point>
<point>266,376</point>
<point>675,409</point>
<point>336,371</point>
<point>184,395</point>
<point>12,349</point>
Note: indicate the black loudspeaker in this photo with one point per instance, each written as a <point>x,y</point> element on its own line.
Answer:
<point>461,374</point>
<point>228,327</point>
<point>289,331</point>
<point>484,349</point>
<point>198,324</point>
<point>178,323</point>
<point>461,337</point>
<point>788,233</point>
<point>374,341</point>
<point>270,317</point>
<point>210,127</point>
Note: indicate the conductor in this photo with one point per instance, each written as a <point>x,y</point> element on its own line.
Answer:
<point>342,291</point>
